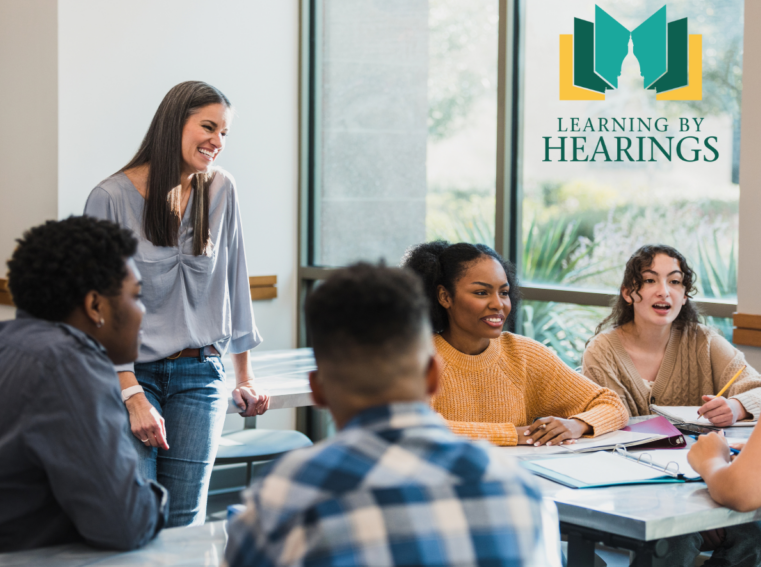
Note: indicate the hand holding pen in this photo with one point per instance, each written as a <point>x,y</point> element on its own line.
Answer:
<point>723,412</point>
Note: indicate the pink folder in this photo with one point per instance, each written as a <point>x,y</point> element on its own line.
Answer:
<point>662,426</point>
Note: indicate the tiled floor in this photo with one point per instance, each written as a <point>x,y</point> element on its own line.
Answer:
<point>216,505</point>
<point>613,557</point>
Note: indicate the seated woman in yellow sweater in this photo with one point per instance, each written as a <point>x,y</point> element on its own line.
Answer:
<point>496,385</point>
<point>656,352</point>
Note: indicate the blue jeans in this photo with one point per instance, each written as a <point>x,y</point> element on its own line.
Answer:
<point>191,395</point>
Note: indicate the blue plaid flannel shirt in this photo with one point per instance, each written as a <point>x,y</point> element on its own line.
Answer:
<point>395,487</point>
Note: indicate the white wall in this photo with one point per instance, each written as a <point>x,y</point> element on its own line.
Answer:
<point>81,81</point>
<point>28,114</point>
<point>749,251</point>
<point>116,62</point>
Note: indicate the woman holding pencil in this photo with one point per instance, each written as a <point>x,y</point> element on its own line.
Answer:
<point>652,349</point>
<point>497,385</point>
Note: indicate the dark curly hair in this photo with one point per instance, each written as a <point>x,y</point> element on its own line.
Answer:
<point>371,315</point>
<point>441,263</point>
<point>57,263</point>
<point>642,259</point>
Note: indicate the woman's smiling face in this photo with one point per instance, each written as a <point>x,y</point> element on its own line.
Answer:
<point>203,137</point>
<point>662,295</point>
<point>481,302</point>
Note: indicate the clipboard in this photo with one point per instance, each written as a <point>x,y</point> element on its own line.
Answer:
<point>603,469</point>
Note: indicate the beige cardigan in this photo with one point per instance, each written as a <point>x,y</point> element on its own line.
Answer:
<point>697,362</point>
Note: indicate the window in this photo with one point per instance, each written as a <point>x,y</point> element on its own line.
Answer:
<point>666,172</point>
<point>405,105</point>
<point>427,119</point>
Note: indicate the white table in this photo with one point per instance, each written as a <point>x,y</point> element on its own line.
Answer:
<point>196,546</point>
<point>637,517</point>
<point>283,374</point>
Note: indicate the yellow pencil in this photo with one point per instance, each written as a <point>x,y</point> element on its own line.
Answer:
<point>728,384</point>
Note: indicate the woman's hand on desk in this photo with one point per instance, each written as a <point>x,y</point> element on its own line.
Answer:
<point>250,403</point>
<point>552,431</point>
<point>146,422</point>
<point>722,412</point>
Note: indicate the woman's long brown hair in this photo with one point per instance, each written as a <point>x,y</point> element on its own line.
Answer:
<point>161,149</point>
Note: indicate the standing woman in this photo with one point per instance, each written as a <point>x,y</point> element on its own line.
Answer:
<point>192,259</point>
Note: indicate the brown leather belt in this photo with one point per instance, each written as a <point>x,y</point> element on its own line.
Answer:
<point>194,352</point>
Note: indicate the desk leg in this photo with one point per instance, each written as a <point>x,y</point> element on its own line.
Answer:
<point>651,554</point>
<point>581,547</point>
<point>581,551</point>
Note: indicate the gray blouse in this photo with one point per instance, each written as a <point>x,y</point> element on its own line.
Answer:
<point>191,301</point>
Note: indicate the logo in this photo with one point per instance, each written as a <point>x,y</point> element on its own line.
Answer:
<point>669,60</point>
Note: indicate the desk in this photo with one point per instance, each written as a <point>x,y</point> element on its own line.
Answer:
<point>283,374</point>
<point>637,517</point>
<point>185,547</point>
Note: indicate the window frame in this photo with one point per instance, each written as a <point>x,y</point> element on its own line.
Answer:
<point>508,190</point>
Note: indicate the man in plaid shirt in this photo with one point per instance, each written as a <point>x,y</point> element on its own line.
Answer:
<point>394,486</point>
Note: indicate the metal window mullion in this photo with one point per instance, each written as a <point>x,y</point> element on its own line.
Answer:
<point>316,134</point>
<point>315,273</point>
<point>711,308</point>
<point>507,218</point>
<point>309,149</point>
<point>305,127</point>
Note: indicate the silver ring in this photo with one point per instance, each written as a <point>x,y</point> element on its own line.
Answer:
<point>143,440</point>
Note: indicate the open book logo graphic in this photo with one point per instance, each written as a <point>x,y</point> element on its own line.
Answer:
<point>661,54</point>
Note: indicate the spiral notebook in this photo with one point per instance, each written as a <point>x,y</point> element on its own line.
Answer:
<point>596,470</point>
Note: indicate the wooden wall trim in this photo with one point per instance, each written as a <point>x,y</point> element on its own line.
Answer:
<point>262,287</point>
<point>747,329</point>
<point>5,295</point>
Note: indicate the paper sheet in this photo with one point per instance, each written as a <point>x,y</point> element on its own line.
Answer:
<point>689,414</point>
<point>600,468</point>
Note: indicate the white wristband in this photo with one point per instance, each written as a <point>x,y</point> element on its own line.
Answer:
<point>127,393</point>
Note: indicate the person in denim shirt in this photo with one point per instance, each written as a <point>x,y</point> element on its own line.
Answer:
<point>68,470</point>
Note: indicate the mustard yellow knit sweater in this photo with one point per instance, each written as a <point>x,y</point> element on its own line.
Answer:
<point>512,382</point>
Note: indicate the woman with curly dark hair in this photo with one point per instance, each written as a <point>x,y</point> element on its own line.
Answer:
<point>497,385</point>
<point>655,351</point>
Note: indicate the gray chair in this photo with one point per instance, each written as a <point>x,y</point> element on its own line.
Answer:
<point>256,445</point>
